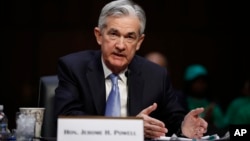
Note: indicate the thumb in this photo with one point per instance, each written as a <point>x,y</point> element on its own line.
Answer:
<point>196,112</point>
<point>149,109</point>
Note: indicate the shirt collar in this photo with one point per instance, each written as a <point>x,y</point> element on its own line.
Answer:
<point>107,72</point>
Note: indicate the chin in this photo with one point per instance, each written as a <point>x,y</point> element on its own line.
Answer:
<point>118,63</point>
<point>118,67</point>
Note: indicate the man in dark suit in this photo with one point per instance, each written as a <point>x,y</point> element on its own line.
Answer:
<point>145,90</point>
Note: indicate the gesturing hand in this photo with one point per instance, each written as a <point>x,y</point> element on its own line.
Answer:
<point>194,126</point>
<point>153,128</point>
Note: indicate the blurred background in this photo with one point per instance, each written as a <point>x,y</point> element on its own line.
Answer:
<point>36,33</point>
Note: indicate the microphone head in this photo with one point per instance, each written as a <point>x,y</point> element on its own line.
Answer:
<point>127,73</point>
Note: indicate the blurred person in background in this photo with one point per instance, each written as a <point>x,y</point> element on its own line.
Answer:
<point>161,59</point>
<point>238,111</point>
<point>197,88</point>
<point>157,58</point>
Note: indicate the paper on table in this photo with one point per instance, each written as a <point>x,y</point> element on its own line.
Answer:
<point>174,137</point>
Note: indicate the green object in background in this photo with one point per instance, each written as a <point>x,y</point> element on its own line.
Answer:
<point>194,71</point>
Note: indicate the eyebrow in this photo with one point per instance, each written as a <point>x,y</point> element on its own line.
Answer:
<point>112,30</point>
<point>115,30</point>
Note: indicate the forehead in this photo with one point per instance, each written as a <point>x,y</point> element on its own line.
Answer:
<point>124,24</point>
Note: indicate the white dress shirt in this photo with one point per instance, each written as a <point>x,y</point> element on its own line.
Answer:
<point>122,84</point>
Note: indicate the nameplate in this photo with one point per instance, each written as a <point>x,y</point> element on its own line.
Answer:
<point>86,128</point>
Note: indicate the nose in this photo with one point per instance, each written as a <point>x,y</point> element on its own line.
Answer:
<point>120,44</point>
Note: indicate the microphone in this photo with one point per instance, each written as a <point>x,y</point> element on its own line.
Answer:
<point>127,74</point>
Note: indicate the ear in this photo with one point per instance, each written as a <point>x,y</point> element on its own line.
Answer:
<point>98,35</point>
<point>140,42</point>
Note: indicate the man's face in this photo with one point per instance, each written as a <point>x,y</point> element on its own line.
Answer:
<point>119,41</point>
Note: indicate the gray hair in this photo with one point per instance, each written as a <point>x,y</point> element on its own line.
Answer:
<point>121,8</point>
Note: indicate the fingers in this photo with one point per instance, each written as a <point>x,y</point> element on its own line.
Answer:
<point>194,126</point>
<point>200,129</point>
<point>154,128</point>
<point>199,132</point>
<point>149,109</point>
<point>203,124</point>
<point>151,122</point>
<point>154,131</point>
<point>200,121</point>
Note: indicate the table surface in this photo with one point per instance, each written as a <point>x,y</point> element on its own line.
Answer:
<point>54,139</point>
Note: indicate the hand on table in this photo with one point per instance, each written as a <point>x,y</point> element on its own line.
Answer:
<point>153,128</point>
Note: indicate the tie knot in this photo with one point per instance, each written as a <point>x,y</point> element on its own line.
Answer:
<point>114,78</point>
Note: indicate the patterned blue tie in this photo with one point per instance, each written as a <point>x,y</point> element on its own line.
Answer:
<point>113,105</point>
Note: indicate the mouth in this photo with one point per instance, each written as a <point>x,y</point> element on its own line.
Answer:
<point>118,54</point>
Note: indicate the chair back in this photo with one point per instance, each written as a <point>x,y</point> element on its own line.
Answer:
<point>47,88</point>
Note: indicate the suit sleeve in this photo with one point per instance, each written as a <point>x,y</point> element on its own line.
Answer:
<point>170,110</point>
<point>67,95</point>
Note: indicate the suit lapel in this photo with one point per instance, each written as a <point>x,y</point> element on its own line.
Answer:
<point>135,88</point>
<point>96,80</point>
